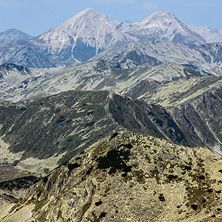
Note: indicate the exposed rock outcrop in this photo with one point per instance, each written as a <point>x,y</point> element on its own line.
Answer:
<point>128,177</point>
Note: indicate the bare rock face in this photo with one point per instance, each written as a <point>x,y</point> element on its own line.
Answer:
<point>128,177</point>
<point>14,190</point>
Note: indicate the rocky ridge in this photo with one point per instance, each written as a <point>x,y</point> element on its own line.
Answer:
<point>211,35</point>
<point>23,53</point>
<point>128,177</point>
<point>166,88</point>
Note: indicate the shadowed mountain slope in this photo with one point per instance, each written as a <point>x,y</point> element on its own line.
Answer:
<point>39,135</point>
<point>168,87</point>
<point>23,53</point>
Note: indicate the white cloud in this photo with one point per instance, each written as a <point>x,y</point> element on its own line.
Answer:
<point>149,5</point>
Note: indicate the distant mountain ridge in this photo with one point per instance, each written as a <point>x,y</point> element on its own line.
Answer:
<point>205,58</point>
<point>210,35</point>
<point>24,53</point>
<point>13,35</point>
<point>171,90</point>
<point>88,33</point>
<point>163,25</point>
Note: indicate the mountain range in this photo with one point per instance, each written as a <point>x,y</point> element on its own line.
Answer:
<point>89,32</point>
<point>170,93</point>
<point>81,37</point>
<point>205,58</point>
<point>101,120</point>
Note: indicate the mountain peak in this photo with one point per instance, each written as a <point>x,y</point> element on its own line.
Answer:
<point>163,13</point>
<point>88,12</point>
<point>12,30</point>
<point>13,35</point>
<point>163,25</point>
<point>161,17</point>
<point>89,31</point>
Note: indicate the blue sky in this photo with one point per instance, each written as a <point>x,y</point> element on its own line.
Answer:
<point>37,16</point>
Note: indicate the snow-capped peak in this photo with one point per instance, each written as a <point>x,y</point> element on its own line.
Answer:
<point>13,35</point>
<point>161,20</point>
<point>163,25</point>
<point>86,11</point>
<point>88,29</point>
<point>160,16</point>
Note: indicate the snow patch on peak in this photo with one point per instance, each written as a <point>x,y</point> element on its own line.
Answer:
<point>88,29</point>
<point>13,35</point>
<point>163,25</point>
<point>89,12</point>
<point>162,15</point>
<point>161,18</point>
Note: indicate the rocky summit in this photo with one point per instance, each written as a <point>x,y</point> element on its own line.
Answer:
<point>128,177</point>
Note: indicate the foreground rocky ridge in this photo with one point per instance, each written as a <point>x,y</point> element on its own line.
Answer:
<point>128,177</point>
